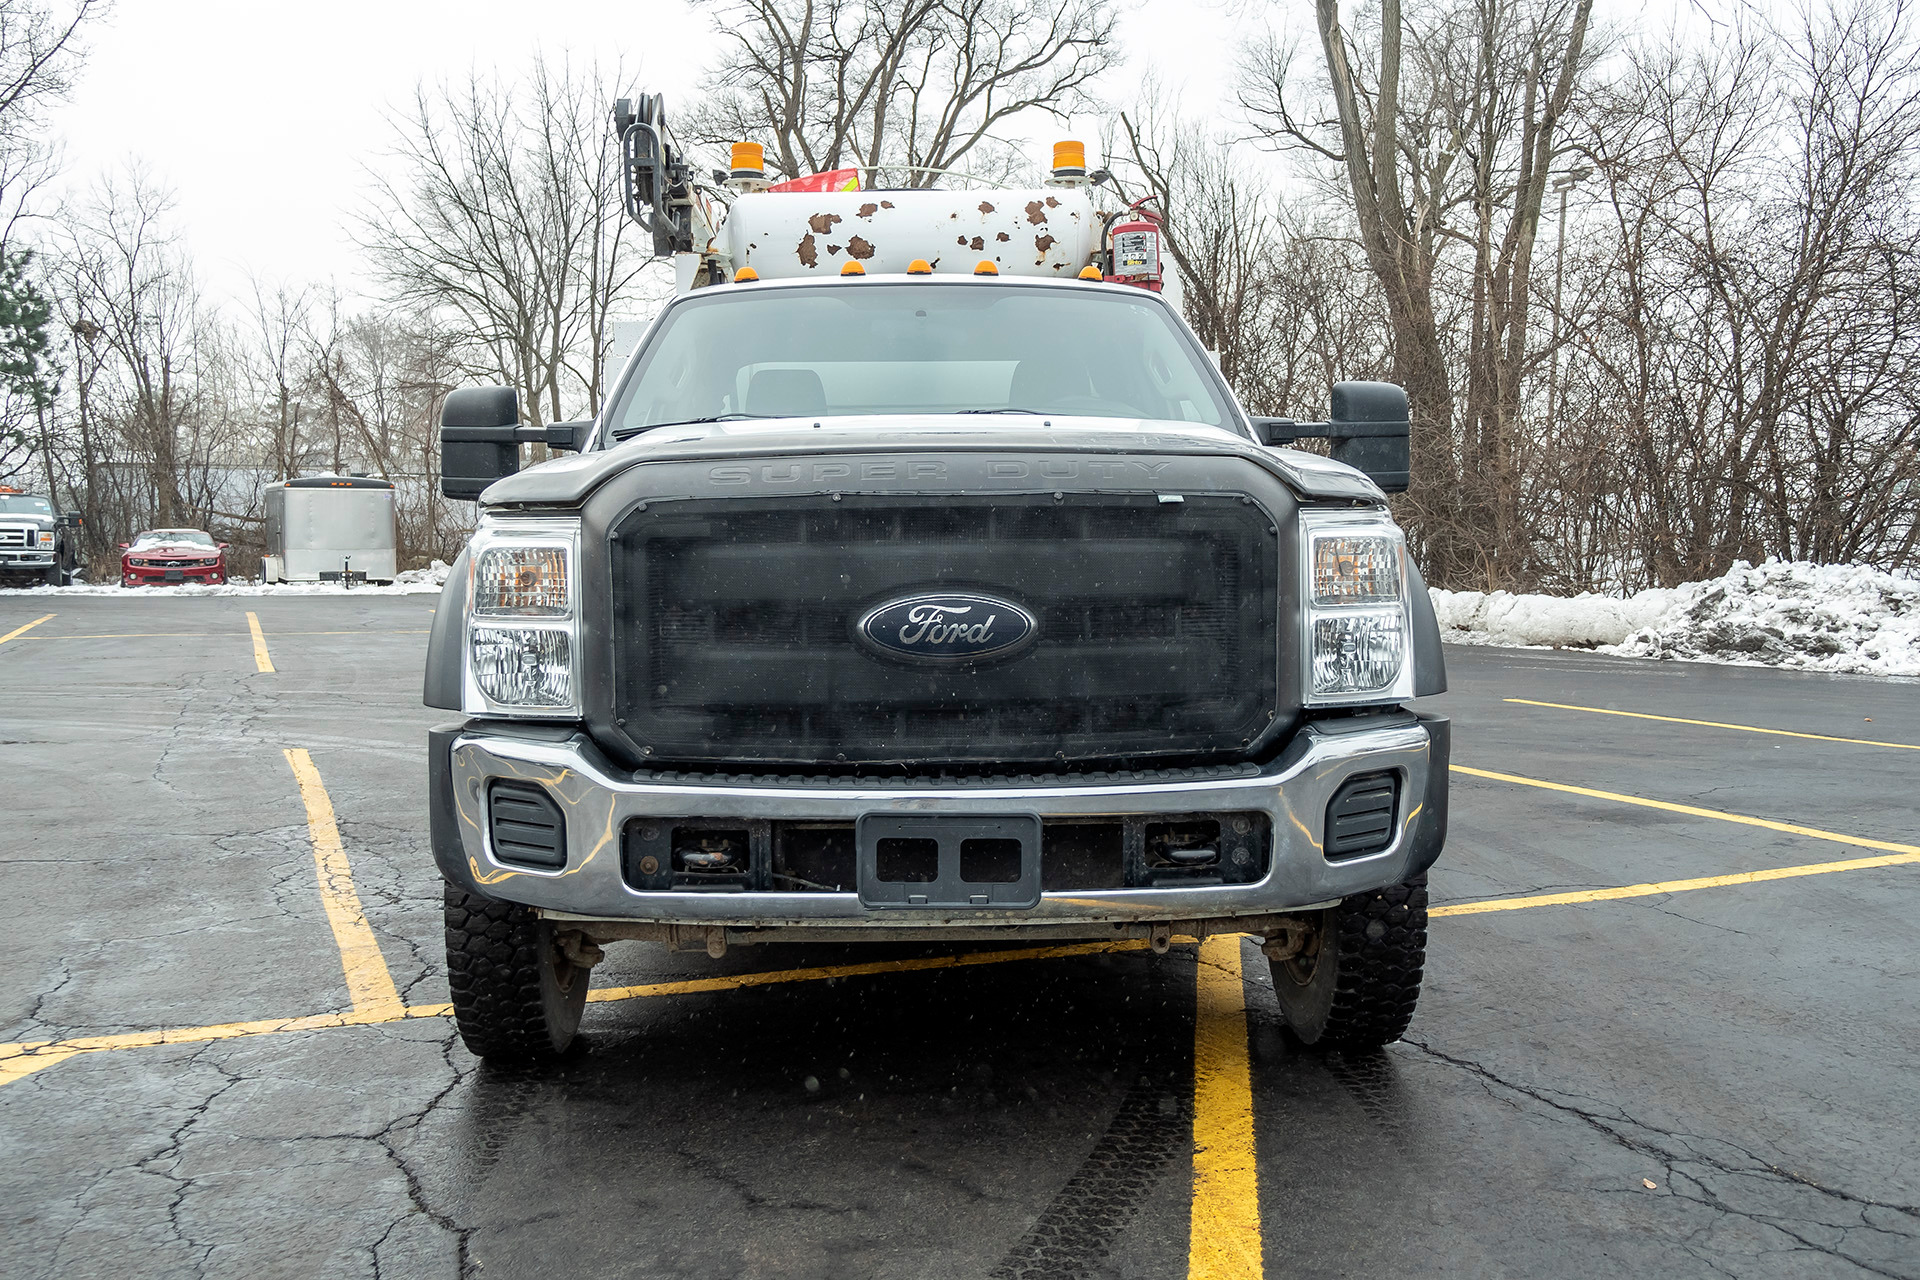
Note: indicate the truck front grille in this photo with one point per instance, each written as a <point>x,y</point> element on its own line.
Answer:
<point>734,628</point>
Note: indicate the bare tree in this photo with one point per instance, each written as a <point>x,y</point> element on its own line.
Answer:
<point>1444,130</point>
<point>1285,304</point>
<point>504,225</point>
<point>910,86</point>
<point>134,299</point>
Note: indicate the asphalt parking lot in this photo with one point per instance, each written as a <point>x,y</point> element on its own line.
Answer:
<point>1670,1025</point>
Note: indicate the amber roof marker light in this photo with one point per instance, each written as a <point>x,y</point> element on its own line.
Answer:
<point>919,267</point>
<point>853,269</point>
<point>986,268</point>
<point>745,275</point>
<point>1091,273</point>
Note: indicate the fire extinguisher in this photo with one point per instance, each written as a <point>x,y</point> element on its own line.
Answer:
<point>1134,248</point>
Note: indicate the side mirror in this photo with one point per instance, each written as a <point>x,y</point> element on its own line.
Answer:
<point>223,546</point>
<point>1370,428</point>
<point>72,520</point>
<point>477,440</point>
<point>123,546</point>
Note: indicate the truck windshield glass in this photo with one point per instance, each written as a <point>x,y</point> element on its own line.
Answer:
<point>868,349</point>
<point>19,504</point>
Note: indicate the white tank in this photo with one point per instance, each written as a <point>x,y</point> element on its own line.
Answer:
<point>1047,231</point>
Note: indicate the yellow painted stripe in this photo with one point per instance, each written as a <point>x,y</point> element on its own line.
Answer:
<point>18,1068</point>
<point>1717,724</point>
<point>15,1058</point>
<point>1224,1236</point>
<point>260,658</point>
<point>1674,886</point>
<point>25,1058</point>
<point>213,635</point>
<point>1668,806</point>
<point>736,981</point>
<point>20,631</point>
<point>368,982</point>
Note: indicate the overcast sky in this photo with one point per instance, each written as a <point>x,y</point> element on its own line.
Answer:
<point>262,117</point>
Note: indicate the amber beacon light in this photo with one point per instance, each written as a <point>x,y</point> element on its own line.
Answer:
<point>749,160</point>
<point>1069,159</point>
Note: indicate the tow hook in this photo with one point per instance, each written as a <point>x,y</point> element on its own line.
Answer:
<point>1289,938</point>
<point>579,952</point>
<point>1160,938</point>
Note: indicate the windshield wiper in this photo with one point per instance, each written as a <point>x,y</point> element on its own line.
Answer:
<point>624,432</point>
<point>1009,409</point>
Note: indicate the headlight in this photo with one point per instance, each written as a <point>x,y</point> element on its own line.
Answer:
<point>1358,645</point>
<point>523,619</point>
<point>46,537</point>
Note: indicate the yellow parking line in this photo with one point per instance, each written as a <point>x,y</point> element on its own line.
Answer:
<point>368,982</point>
<point>1790,828</point>
<point>23,1059</point>
<point>260,658</point>
<point>17,1060</point>
<point>28,627</point>
<point>17,1068</point>
<point>1224,1235</point>
<point>1718,724</point>
<point>213,635</point>
<point>1675,886</point>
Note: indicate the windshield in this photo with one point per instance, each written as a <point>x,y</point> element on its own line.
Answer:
<point>20,504</point>
<point>918,348</point>
<point>159,537</point>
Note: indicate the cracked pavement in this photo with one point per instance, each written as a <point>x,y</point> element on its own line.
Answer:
<point>1749,1050</point>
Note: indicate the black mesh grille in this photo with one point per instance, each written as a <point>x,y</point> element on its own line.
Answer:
<point>1360,816</point>
<point>734,628</point>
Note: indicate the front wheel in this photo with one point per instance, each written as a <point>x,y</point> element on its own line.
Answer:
<point>54,578</point>
<point>1354,981</point>
<point>516,993</point>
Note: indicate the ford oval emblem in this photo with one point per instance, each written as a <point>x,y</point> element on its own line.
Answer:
<point>947,629</point>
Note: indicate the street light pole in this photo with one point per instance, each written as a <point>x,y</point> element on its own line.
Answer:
<point>1563,184</point>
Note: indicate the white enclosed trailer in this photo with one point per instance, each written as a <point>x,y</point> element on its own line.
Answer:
<point>330,529</point>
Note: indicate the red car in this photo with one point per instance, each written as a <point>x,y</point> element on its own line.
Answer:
<point>173,555</point>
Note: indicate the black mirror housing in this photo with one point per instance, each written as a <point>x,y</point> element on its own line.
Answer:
<point>72,520</point>
<point>1370,428</point>
<point>570,437</point>
<point>478,440</point>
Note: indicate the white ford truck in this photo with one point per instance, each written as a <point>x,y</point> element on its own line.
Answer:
<point>948,598</point>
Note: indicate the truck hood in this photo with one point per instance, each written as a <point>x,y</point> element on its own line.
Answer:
<point>568,481</point>
<point>30,522</point>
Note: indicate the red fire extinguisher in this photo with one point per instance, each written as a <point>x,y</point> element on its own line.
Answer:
<point>1134,248</point>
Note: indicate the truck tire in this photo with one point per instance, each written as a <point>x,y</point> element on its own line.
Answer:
<point>54,578</point>
<point>1357,990</point>
<point>516,997</point>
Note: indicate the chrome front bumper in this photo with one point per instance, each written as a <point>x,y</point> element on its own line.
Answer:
<point>598,799</point>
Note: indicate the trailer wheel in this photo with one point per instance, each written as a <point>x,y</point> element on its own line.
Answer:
<point>1355,985</point>
<point>516,996</point>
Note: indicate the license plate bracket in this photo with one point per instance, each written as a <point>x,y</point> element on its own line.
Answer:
<point>957,861</point>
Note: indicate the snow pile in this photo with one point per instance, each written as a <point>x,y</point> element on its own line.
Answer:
<point>1584,621</point>
<point>1840,618</point>
<point>410,582</point>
